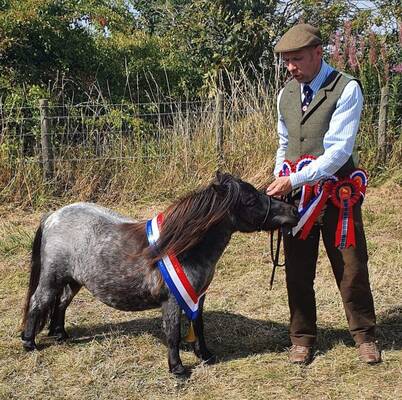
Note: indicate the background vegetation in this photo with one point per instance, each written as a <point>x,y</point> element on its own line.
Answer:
<point>132,117</point>
<point>132,84</point>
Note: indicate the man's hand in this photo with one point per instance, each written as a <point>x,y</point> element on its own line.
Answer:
<point>280,186</point>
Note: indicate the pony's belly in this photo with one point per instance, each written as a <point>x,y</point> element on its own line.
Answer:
<point>131,302</point>
<point>123,287</point>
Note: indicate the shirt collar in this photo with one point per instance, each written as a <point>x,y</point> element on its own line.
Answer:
<point>320,78</point>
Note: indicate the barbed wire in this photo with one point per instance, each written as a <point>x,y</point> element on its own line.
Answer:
<point>99,159</point>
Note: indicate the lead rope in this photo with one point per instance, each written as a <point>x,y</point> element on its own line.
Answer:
<point>275,257</point>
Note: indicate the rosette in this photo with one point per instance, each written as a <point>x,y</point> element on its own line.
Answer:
<point>287,168</point>
<point>345,194</point>
<point>361,178</point>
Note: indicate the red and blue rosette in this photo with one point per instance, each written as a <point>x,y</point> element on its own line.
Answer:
<point>361,178</point>
<point>322,192</point>
<point>307,190</point>
<point>287,168</point>
<point>311,203</point>
<point>303,161</point>
<point>345,194</point>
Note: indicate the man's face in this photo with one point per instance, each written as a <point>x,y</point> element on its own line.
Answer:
<point>303,64</point>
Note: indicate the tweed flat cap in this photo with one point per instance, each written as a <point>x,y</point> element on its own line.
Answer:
<point>298,37</point>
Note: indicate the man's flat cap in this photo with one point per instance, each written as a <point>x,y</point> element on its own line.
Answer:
<point>298,37</point>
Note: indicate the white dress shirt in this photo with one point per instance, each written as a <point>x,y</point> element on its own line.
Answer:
<point>338,140</point>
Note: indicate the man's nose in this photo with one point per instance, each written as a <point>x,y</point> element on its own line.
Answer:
<point>291,67</point>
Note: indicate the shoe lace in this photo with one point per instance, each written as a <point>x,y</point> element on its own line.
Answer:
<point>298,349</point>
<point>369,347</point>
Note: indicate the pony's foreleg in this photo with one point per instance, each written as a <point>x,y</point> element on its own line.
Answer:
<point>171,313</point>
<point>199,346</point>
<point>56,326</point>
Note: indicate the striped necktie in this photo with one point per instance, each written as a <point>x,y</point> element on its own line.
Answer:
<point>308,96</point>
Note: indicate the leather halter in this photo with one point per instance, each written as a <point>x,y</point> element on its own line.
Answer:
<point>266,214</point>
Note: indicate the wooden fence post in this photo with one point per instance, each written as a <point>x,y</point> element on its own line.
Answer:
<point>47,153</point>
<point>382,126</point>
<point>220,120</point>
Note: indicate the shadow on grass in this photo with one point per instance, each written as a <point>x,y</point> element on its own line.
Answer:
<point>228,335</point>
<point>389,332</point>
<point>234,336</point>
<point>390,328</point>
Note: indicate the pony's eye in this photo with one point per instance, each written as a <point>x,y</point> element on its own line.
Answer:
<point>250,202</point>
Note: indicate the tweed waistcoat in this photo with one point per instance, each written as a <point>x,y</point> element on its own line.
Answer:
<point>306,131</point>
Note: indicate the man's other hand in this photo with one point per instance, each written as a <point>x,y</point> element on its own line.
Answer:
<point>280,186</point>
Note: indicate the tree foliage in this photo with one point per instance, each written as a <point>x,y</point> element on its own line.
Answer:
<point>132,49</point>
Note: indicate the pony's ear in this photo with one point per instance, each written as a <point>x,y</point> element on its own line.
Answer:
<point>219,188</point>
<point>223,177</point>
<point>219,176</point>
<point>221,182</point>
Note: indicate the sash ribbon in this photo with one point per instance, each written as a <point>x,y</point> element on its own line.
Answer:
<point>173,274</point>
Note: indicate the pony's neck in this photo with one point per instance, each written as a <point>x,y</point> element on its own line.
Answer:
<point>210,248</point>
<point>199,261</point>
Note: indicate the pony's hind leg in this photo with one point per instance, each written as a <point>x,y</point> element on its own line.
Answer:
<point>40,306</point>
<point>57,318</point>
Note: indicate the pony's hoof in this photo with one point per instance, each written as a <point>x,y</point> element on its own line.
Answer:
<point>180,372</point>
<point>28,344</point>
<point>211,359</point>
<point>60,336</point>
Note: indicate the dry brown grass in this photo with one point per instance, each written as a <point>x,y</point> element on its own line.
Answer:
<point>160,161</point>
<point>116,355</point>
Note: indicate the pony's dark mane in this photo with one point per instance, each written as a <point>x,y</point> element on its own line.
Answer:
<point>190,217</point>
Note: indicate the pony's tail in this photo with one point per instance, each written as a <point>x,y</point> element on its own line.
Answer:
<point>35,273</point>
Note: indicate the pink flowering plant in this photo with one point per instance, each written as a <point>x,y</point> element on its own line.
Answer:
<point>372,53</point>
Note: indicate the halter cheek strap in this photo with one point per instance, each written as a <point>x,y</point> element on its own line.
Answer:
<point>266,214</point>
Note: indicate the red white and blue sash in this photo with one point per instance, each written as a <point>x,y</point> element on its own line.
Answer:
<point>174,275</point>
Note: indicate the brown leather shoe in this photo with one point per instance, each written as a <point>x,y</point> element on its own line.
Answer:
<point>369,353</point>
<point>300,354</point>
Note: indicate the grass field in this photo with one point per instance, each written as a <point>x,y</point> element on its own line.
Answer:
<point>117,355</point>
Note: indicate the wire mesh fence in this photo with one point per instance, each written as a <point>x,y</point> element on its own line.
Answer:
<point>97,131</point>
<point>177,138</point>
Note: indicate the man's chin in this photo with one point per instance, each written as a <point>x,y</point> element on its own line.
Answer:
<point>299,78</point>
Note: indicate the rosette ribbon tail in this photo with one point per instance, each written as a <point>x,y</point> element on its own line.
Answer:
<point>345,195</point>
<point>345,230</point>
<point>316,208</point>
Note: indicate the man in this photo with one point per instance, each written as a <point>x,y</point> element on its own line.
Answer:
<point>319,113</point>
